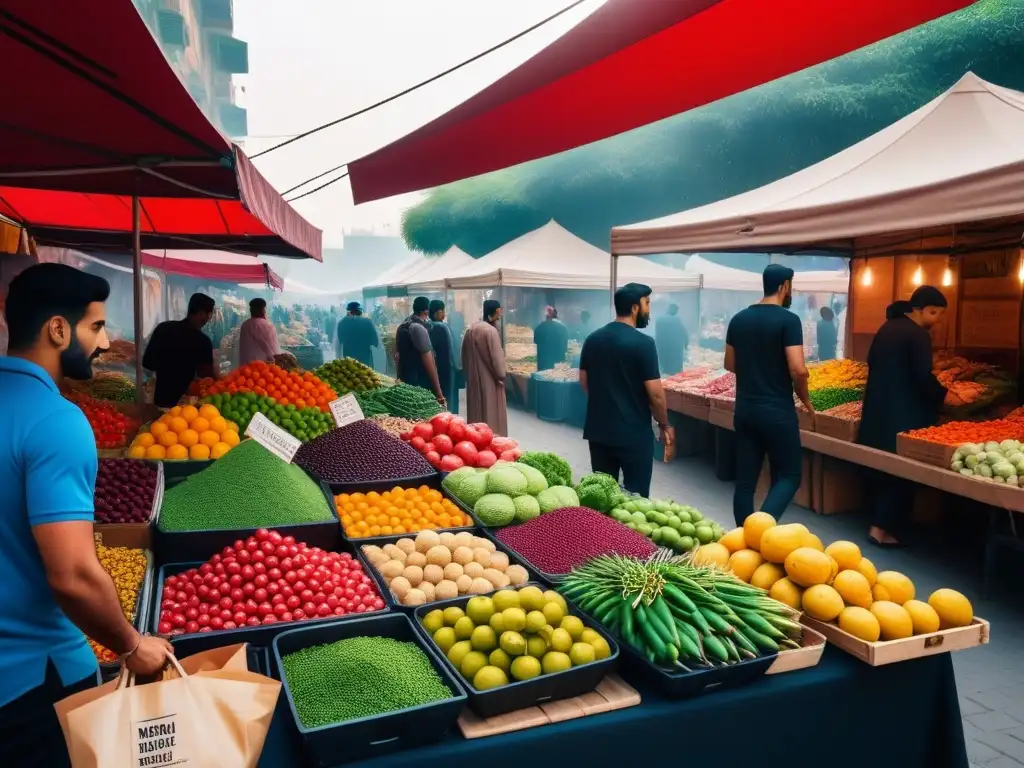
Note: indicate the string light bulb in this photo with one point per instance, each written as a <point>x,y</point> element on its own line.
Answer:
<point>866,277</point>
<point>1020,272</point>
<point>947,277</point>
<point>918,277</point>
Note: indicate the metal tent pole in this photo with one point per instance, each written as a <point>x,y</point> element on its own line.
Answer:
<point>137,291</point>
<point>501,300</point>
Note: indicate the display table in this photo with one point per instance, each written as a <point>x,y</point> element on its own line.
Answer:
<point>841,713</point>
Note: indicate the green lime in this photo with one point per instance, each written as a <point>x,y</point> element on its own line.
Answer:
<point>497,623</point>
<point>489,677</point>
<point>484,639</point>
<point>515,619</point>
<point>458,651</point>
<point>534,621</point>
<point>505,598</point>
<point>472,663</point>
<point>687,529</point>
<point>553,612</point>
<point>705,534</point>
<point>537,646</point>
<point>573,626</point>
<point>560,640</point>
<point>555,661</point>
<point>513,643</point>
<point>480,609</point>
<point>453,614</point>
<point>601,648</point>
<point>581,653</point>
<point>686,544</point>
<point>500,659</point>
<point>525,668</point>
<point>444,638</point>
<point>531,598</point>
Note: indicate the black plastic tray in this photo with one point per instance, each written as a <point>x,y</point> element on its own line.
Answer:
<point>528,693</point>
<point>533,577</point>
<point>262,635</point>
<point>382,485</point>
<point>380,734</point>
<point>143,600</point>
<point>188,546</point>
<point>435,482</point>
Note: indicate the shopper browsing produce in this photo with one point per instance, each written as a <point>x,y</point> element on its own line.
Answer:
<point>179,351</point>
<point>52,585</point>
<point>902,394</point>
<point>444,353</point>
<point>619,372</point>
<point>483,362</point>
<point>764,347</point>
<point>357,336</point>
<point>257,339</point>
<point>414,355</point>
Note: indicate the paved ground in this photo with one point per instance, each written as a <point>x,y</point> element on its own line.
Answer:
<point>990,679</point>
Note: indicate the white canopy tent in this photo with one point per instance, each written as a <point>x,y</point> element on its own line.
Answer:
<point>959,158</point>
<point>405,270</point>
<point>718,277</point>
<point>431,279</point>
<point>553,257</point>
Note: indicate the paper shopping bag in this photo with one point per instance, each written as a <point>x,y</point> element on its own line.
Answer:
<point>208,711</point>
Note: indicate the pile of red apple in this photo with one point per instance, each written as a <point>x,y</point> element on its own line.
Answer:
<point>448,443</point>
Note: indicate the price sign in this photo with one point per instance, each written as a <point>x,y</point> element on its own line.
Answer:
<point>346,410</point>
<point>272,437</point>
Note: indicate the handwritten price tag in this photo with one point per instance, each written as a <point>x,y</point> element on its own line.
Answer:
<point>272,437</point>
<point>346,410</point>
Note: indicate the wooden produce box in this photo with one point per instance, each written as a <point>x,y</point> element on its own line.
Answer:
<point>840,429</point>
<point>892,651</point>
<point>804,495</point>
<point>925,451</point>
<point>689,404</point>
<point>805,657</point>
<point>805,420</point>
<point>838,486</point>
<point>134,535</point>
<point>727,404</point>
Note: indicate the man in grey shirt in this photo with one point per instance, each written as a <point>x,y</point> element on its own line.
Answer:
<point>414,356</point>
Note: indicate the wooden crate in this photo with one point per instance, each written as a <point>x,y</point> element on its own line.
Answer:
<point>805,657</point>
<point>838,486</point>
<point>840,429</point>
<point>805,420</point>
<point>892,651</point>
<point>727,404</point>
<point>612,693</point>
<point>688,404</point>
<point>925,451</point>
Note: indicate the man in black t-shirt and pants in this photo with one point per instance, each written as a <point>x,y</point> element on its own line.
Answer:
<point>178,351</point>
<point>764,347</point>
<point>620,374</point>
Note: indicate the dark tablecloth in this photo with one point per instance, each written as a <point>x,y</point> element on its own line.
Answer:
<point>842,713</point>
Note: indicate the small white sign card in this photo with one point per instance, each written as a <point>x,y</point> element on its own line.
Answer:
<point>272,437</point>
<point>346,410</point>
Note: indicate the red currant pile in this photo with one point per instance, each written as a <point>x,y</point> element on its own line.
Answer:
<point>265,579</point>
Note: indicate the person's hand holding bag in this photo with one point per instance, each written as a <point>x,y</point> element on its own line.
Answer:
<point>149,656</point>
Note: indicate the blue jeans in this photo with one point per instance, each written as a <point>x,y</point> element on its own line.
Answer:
<point>776,435</point>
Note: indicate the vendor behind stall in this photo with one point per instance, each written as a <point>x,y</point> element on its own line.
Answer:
<point>552,340</point>
<point>901,394</point>
<point>827,335</point>
<point>178,351</point>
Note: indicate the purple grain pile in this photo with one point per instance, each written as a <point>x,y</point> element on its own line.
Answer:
<point>124,491</point>
<point>358,453</point>
<point>560,540</point>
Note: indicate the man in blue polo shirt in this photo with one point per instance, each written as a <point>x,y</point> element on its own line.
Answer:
<point>52,586</point>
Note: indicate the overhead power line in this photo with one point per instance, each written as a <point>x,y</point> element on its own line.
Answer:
<point>398,95</point>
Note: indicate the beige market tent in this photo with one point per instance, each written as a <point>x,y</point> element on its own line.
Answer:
<point>431,279</point>
<point>718,277</point>
<point>959,158</point>
<point>553,257</point>
<point>402,271</point>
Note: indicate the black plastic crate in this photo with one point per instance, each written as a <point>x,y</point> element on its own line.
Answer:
<point>533,577</point>
<point>433,479</point>
<point>189,546</point>
<point>368,737</point>
<point>433,482</point>
<point>540,690</point>
<point>109,670</point>
<point>262,635</point>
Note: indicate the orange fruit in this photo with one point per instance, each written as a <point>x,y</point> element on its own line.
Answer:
<point>177,452</point>
<point>232,426</point>
<point>137,452</point>
<point>155,452</point>
<point>188,438</point>
<point>218,450</point>
<point>167,439</point>
<point>178,425</point>
<point>145,439</point>
<point>229,436</point>
<point>157,428</point>
<point>199,452</point>
<point>175,411</point>
<point>209,438</point>
<point>199,424</point>
<point>208,411</point>
<point>189,413</point>
<point>218,424</point>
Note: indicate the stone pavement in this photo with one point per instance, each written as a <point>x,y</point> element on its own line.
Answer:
<point>990,680</point>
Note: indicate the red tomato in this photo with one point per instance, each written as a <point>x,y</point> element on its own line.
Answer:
<point>424,430</point>
<point>451,463</point>
<point>443,444</point>
<point>485,459</point>
<point>440,423</point>
<point>466,451</point>
<point>434,458</point>
<point>483,435</point>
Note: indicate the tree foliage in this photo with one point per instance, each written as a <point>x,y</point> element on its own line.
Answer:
<point>727,147</point>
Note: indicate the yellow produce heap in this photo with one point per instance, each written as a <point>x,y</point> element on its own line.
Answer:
<point>838,374</point>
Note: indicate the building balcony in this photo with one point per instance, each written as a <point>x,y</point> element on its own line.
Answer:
<point>216,14</point>
<point>230,54</point>
<point>171,28</point>
<point>233,119</point>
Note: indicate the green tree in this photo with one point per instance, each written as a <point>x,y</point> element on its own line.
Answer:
<point>727,147</point>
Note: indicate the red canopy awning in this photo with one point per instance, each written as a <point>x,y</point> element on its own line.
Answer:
<point>215,266</point>
<point>93,107</point>
<point>628,64</point>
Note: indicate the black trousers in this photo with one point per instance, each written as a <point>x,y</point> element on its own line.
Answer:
<point>30,734</point>
<point>636,464</point>
<point>777,436</point>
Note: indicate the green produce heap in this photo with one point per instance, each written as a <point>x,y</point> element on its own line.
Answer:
<point>681,616</point>
<point>554,467</point>
<point>248,487</point>
<point>347,375</point>
<point>830,397</point>
<point>402,400</point>
<point>301,423</point>
<point>360,677</point>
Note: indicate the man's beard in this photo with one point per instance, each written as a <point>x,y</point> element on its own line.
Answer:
<point>643,319</point>
<point>74,363</point>
<point>788,301</point>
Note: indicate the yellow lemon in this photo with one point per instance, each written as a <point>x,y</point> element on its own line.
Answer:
<point>845,553</point>
<point>860,622</point>
<point>923,615</point>
<point>710,555</point>
<point>778,542</point>
<point>733,540</point>
<point>743,564</point>
<point>954,609</point>
<point>893,619</point>
<point>766,575</point>
<point>814,542</point>
<point>868,570</point>
<point>807,567</point>
<point>822,602</point>
<point>899,587</point>
<point>853,588</point>
<point>754,527</point>
<point>788,593</point>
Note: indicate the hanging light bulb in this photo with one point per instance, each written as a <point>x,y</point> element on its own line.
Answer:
<point>865,275</point>
<point>918,277</point>
<point>947,277</point>
<point>1020,272</point>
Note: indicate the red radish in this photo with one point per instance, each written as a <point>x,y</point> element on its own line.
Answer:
<point>443,444</point>
<point>457,429</point>
<point>451,462</point>
<point>434,458</point>
<point>485,459</point>
<point>508,456</point>
<point>440,423</point>
<point>467,452</point>
<point>424,430</point>
<point>418,443</point>
<point>482,435</point>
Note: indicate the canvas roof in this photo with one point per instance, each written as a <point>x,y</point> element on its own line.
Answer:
<point>431,279</point>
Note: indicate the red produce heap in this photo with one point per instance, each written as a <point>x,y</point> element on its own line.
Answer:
<point>449,443</point>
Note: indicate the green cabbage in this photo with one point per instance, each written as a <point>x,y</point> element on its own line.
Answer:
<point>557,497</point>
<point>506,480</point>
<point>555,469</point>
<point>527,508</point>
<point>495,509</point>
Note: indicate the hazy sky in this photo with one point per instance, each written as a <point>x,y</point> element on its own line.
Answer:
<point>311,61</point>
